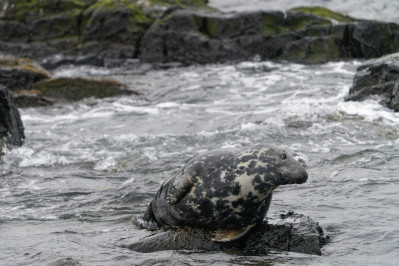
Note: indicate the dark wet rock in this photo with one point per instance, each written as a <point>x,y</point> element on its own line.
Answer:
<point>281,232</point>
<point>107,33</point>
<point>74,89</point>
<point>31,98</point>
<point>32,85</point>
<point>203,37</point>
<point>11,127</point>
<point>312,50</point>
<point>88,32</point>
<point>378,78</point>
<point>20,74</point>
<point>301,35</point>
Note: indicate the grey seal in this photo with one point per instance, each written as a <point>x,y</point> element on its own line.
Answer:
<point>227,190</point>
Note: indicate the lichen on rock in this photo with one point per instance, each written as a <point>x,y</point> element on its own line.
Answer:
<point>324,13</point>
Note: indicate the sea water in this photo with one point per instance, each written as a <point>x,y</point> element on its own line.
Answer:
<point>86,169</point>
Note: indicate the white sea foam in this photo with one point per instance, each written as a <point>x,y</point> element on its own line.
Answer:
<point>249,126</point>
<point>128,182</point>
<point>106,163</point>
<point>75,71</point>
<point>168,105</point>
<point>151,153</point>
<point>370,110</point>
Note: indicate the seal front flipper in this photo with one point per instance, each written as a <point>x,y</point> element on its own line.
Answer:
<point>231,235</point>
<point>179,189</point>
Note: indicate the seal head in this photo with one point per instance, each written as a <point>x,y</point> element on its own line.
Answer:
<point>227,189</point>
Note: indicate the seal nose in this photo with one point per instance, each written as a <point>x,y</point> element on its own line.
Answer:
<point>303,178</point>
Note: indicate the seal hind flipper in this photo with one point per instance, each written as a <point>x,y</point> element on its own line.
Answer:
<point>231,235</point>
<point>180,189</point>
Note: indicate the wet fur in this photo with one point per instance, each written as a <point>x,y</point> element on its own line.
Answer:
<point>224,189</point>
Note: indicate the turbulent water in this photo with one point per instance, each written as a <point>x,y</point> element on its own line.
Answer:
<point>87,169</point>
<point>384,10</point>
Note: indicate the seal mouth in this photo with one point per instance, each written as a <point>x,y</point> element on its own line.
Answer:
<point>290,180</point>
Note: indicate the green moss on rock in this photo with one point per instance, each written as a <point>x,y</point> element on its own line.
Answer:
<point>324,12</point>
<point>181,3</point>
<point>119,21</point>
<point>75,89</point>
<point>212,27</point>
<point>22,10</point>
<point>275,23</point>
<point>297,22</point>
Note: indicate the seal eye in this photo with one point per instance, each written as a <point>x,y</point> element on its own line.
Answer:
<point>283,156</point>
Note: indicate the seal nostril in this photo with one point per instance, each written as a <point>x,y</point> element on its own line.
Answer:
<point>304,178</point>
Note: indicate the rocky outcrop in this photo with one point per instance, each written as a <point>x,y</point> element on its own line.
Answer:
<point>20,74</point>
<point>97,32</point>
<point>31,98</point>
<point>305,35</point>
<point>108,33</point>
<point>281,232</point>
<point>74,89</point>
<point>11,127</point>
<point>378,78</point>
<point>32,85</point>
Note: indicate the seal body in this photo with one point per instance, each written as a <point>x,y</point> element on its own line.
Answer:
<point>224,189</point>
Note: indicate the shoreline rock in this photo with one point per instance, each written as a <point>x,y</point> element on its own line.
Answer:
<point>20,74</point>
<point>378,78</point>
<point>83,32</point>
<point>297,36</point>
<point>280,232</point>
<point>75,89</point>
<point>32,86</point>
<point>107,33</point>
<point>11,127</point>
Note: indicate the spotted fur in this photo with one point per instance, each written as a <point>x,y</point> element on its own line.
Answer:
<point>224,189</point>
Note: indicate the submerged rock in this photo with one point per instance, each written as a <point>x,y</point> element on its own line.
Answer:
<point>11,127</point>
<point>32,85</point>
<point>31,98</point>
<point>281,232</point>
<point>74,89</point>
<point>378,78</point>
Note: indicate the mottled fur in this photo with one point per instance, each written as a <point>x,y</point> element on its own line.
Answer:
<point>224,189</point>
